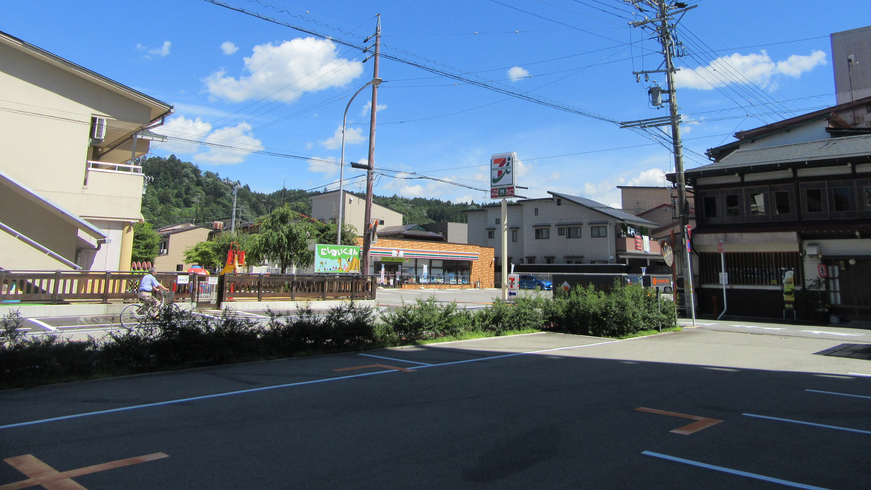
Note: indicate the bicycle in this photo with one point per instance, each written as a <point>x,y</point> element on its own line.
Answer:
<point>137,314</point>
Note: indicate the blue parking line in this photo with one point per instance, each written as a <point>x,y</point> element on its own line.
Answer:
<point>847,429</point>
<point>734,472</point>
<point>839,394</point>
<point>290,385</point>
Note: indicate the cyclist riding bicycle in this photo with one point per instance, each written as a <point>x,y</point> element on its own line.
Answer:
<point>146,288</point>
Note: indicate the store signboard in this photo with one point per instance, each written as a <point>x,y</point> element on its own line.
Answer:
<point>337,259</point>
<point>502,171</point>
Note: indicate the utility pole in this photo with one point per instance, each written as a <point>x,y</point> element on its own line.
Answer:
<point>665,11</point>
<point>370,175</point>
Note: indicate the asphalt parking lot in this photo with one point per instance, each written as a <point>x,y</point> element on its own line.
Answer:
<point>715,406</point>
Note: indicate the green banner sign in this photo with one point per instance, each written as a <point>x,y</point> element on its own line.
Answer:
<point>337,259</point>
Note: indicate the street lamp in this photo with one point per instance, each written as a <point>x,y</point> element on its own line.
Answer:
<point>375,82</point>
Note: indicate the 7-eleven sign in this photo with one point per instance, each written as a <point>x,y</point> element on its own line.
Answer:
<point>502,170</point>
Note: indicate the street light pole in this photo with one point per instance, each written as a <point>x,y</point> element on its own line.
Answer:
<point>236,187</point>
<point>376,82</point>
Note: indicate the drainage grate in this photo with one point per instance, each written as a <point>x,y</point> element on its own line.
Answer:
<point>851,351</point>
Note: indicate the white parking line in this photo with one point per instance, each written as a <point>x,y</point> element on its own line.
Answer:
<point>820,332</point>
<point>760,328</point>
<point>840,394</point>
<point>729,470</point>
<point>846,429</point>
<point>42,324</point>
<point>396,360</point>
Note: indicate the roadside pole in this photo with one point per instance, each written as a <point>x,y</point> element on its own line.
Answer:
<point>504,222</point>
<point>724,278</point>
<point>690,293</point>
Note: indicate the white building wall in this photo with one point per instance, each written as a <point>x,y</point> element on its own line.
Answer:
<point>802,134</point>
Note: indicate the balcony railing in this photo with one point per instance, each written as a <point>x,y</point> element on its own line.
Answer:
<point>114,167</point>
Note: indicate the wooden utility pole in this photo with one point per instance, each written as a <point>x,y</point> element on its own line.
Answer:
<point>370,172</point>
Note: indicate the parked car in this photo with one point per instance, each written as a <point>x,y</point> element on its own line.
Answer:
<point>528,281</point>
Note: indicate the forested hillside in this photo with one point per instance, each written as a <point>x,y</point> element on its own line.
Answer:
<point>178,192</point>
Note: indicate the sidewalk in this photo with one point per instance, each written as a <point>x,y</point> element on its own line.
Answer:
<point>99,309</point>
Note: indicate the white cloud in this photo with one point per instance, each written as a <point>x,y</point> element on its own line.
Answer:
<point>196,130</point>
<point>753,68</point>
<point>687,123</point>
<point>795,65</point>
<point>229,48</point>
<point>182,127</point>
<point>285,72</point>
<point>649,178</point>
<point>523,168</point>
<point>517,73</point>
<point>162,51</point>
<point>352,137</point>
<point>328,166</point>
<point>367,109</point>
<point>239,137</point>
<point>468,199</point>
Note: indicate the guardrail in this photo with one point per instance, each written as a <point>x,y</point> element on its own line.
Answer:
<point>65,287</point>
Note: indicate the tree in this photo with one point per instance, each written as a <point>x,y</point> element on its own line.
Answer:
<point>203,254</point>
<point>146,243</point>
<point>212,254</point>
<point>284,239</point>
<point>327,234</point>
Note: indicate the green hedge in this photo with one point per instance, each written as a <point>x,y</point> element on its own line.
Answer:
<point>187,339</point>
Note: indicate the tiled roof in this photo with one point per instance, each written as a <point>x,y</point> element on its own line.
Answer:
<point>604,209</point>
<point>828,150</point>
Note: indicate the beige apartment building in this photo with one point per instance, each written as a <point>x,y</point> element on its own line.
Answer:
<point>325,207</point>
<point>69,189</point>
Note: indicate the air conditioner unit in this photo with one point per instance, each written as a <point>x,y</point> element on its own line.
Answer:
<point>98,128</point>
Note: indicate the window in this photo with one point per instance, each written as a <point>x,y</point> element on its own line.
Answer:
<point>530,260</point>
<point>513,235</point>
<point>491,234</point>
<point>573,232</point>
<point>814,200</point>
<point>781,203</point>
<point>757,204</point>
<point>561,231</point>
<point>733,207</point>
<point>710,204</point>
<point>842,199</point>
<point>497,220</point>
<point>548,260</point>
<point>542,233</point>
<point>536,211</point>
<point>866,193</point>
<point>599,231</point>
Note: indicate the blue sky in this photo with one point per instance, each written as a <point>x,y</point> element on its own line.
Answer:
<point>273,97</point>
